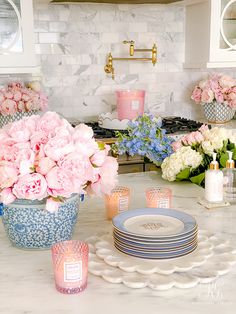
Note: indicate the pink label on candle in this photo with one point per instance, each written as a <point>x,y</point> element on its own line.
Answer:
<point>163,203</point>
<point>135,105</point>
<point>72,271</point>
<point>123,203</point>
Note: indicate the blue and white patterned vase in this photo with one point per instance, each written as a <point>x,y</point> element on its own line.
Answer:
<point>29,226</point>
<point>218,112</point>
<point>15,117</point>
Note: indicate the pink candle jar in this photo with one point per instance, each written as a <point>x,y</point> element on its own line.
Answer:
<point>158,197</point>
<point>130,103</point>
<point>70,265</point>
<point>117,201</point>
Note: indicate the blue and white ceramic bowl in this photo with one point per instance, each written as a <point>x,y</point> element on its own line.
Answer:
<point>29,226</point>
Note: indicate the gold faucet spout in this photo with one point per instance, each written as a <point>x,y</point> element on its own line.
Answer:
<point>154,54</point>
<point>109,66</point>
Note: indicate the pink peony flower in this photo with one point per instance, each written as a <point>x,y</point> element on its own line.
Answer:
<point>52,205</point>
<point>8,174</point>
<point>98,158</point>
<point>6,196</point>
<point>105,182</point>
<point>49,122</point>
<point>60,182</point>
<point>44,165</point>
<point>59,146</point>
<point>31,187</point>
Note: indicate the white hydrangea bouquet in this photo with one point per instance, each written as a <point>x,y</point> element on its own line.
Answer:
<point>193,154</point>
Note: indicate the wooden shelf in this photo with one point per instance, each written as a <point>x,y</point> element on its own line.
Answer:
<point>116,1</point>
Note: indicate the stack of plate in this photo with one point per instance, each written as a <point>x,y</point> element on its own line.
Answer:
<point>155,233</point>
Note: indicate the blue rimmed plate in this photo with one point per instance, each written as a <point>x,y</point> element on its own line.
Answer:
<point>154,245</point>
<point>155,223</point>
<point>156,255</point>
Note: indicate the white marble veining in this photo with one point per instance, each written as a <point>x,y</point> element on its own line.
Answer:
<point>72,42</point>
<point>26,277</point>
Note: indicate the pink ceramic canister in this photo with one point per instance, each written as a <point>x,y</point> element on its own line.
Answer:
<point>130,103</point>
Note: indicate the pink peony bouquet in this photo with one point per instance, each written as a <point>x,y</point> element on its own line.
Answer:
<point>17,97</point>
<point>219,88</point>
<point>45,157</point>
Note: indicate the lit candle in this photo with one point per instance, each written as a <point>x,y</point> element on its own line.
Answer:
<point>117,201</point>
<point>70,264</point>
<point>158,197</point>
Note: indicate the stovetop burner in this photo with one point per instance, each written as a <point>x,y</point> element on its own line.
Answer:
<point>178,124</point>
<point>170,124</point>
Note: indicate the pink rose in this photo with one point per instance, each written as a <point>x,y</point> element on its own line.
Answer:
<point>21,106</point>
<point>6,196</point>
<point>2,98</point>
<point>176,145</point>
<point>17,95</point>
<point>207,96</point>
<point>31,187</point>
<point>196,95</point>
<point>45,164</point>
<point>60,182</point>
<point>8,107</point>
<point>8,174</point>
<point>227,81</point>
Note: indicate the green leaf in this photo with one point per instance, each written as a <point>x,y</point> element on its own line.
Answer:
<point>183,175</point>
<point>223,158</point>
<point>198,179</point>
<point>230,146</point>
<point>101,145</point>
<point>234,154</point>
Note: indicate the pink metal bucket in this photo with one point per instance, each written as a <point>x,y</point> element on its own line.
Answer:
<point>130,103</point>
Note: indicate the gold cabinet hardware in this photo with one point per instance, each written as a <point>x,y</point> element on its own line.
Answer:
<point>109,68</point>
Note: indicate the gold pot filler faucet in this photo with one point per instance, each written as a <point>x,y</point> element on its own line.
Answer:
<point>109,68</point>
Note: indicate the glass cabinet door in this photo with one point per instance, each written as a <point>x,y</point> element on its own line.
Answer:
<point>10,27</point>
<point>228,25</point>
<point>17,50</point>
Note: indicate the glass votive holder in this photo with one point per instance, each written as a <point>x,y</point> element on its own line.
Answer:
<point>158,197</point>
<point>70,265</point>
<point>117,202</point>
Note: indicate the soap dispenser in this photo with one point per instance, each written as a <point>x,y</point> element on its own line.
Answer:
<point>214,182</point>
<point>229,174</point>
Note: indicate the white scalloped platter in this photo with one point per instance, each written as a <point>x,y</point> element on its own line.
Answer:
<point>109,120</point>
<point>213,258</point>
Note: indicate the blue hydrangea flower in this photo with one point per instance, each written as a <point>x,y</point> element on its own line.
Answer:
<point>146,138</point>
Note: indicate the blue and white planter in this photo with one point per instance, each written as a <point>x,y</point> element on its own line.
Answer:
<point>15,117</point>
<point>29,226</point>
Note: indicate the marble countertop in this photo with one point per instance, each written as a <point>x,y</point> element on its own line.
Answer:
<point>27,283</point>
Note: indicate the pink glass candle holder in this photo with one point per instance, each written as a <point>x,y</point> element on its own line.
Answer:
<point>158,197</point>
<point>118,201</point>
<point>70,264</point>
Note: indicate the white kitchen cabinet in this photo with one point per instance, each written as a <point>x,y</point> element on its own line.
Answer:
<point>210,34</point>
<point>17,51</point>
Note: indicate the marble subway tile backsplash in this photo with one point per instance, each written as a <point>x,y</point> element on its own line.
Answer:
<point>72,42</point>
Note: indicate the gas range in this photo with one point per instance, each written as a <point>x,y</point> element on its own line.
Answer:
<point>174,126</point>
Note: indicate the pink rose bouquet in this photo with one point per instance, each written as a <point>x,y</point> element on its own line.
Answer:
<point>219,88</point>
<point>45,157</point>
<point>17,97</point>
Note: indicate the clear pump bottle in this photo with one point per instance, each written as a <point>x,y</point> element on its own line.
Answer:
<point>229,174</point>
<point>214,182</point>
